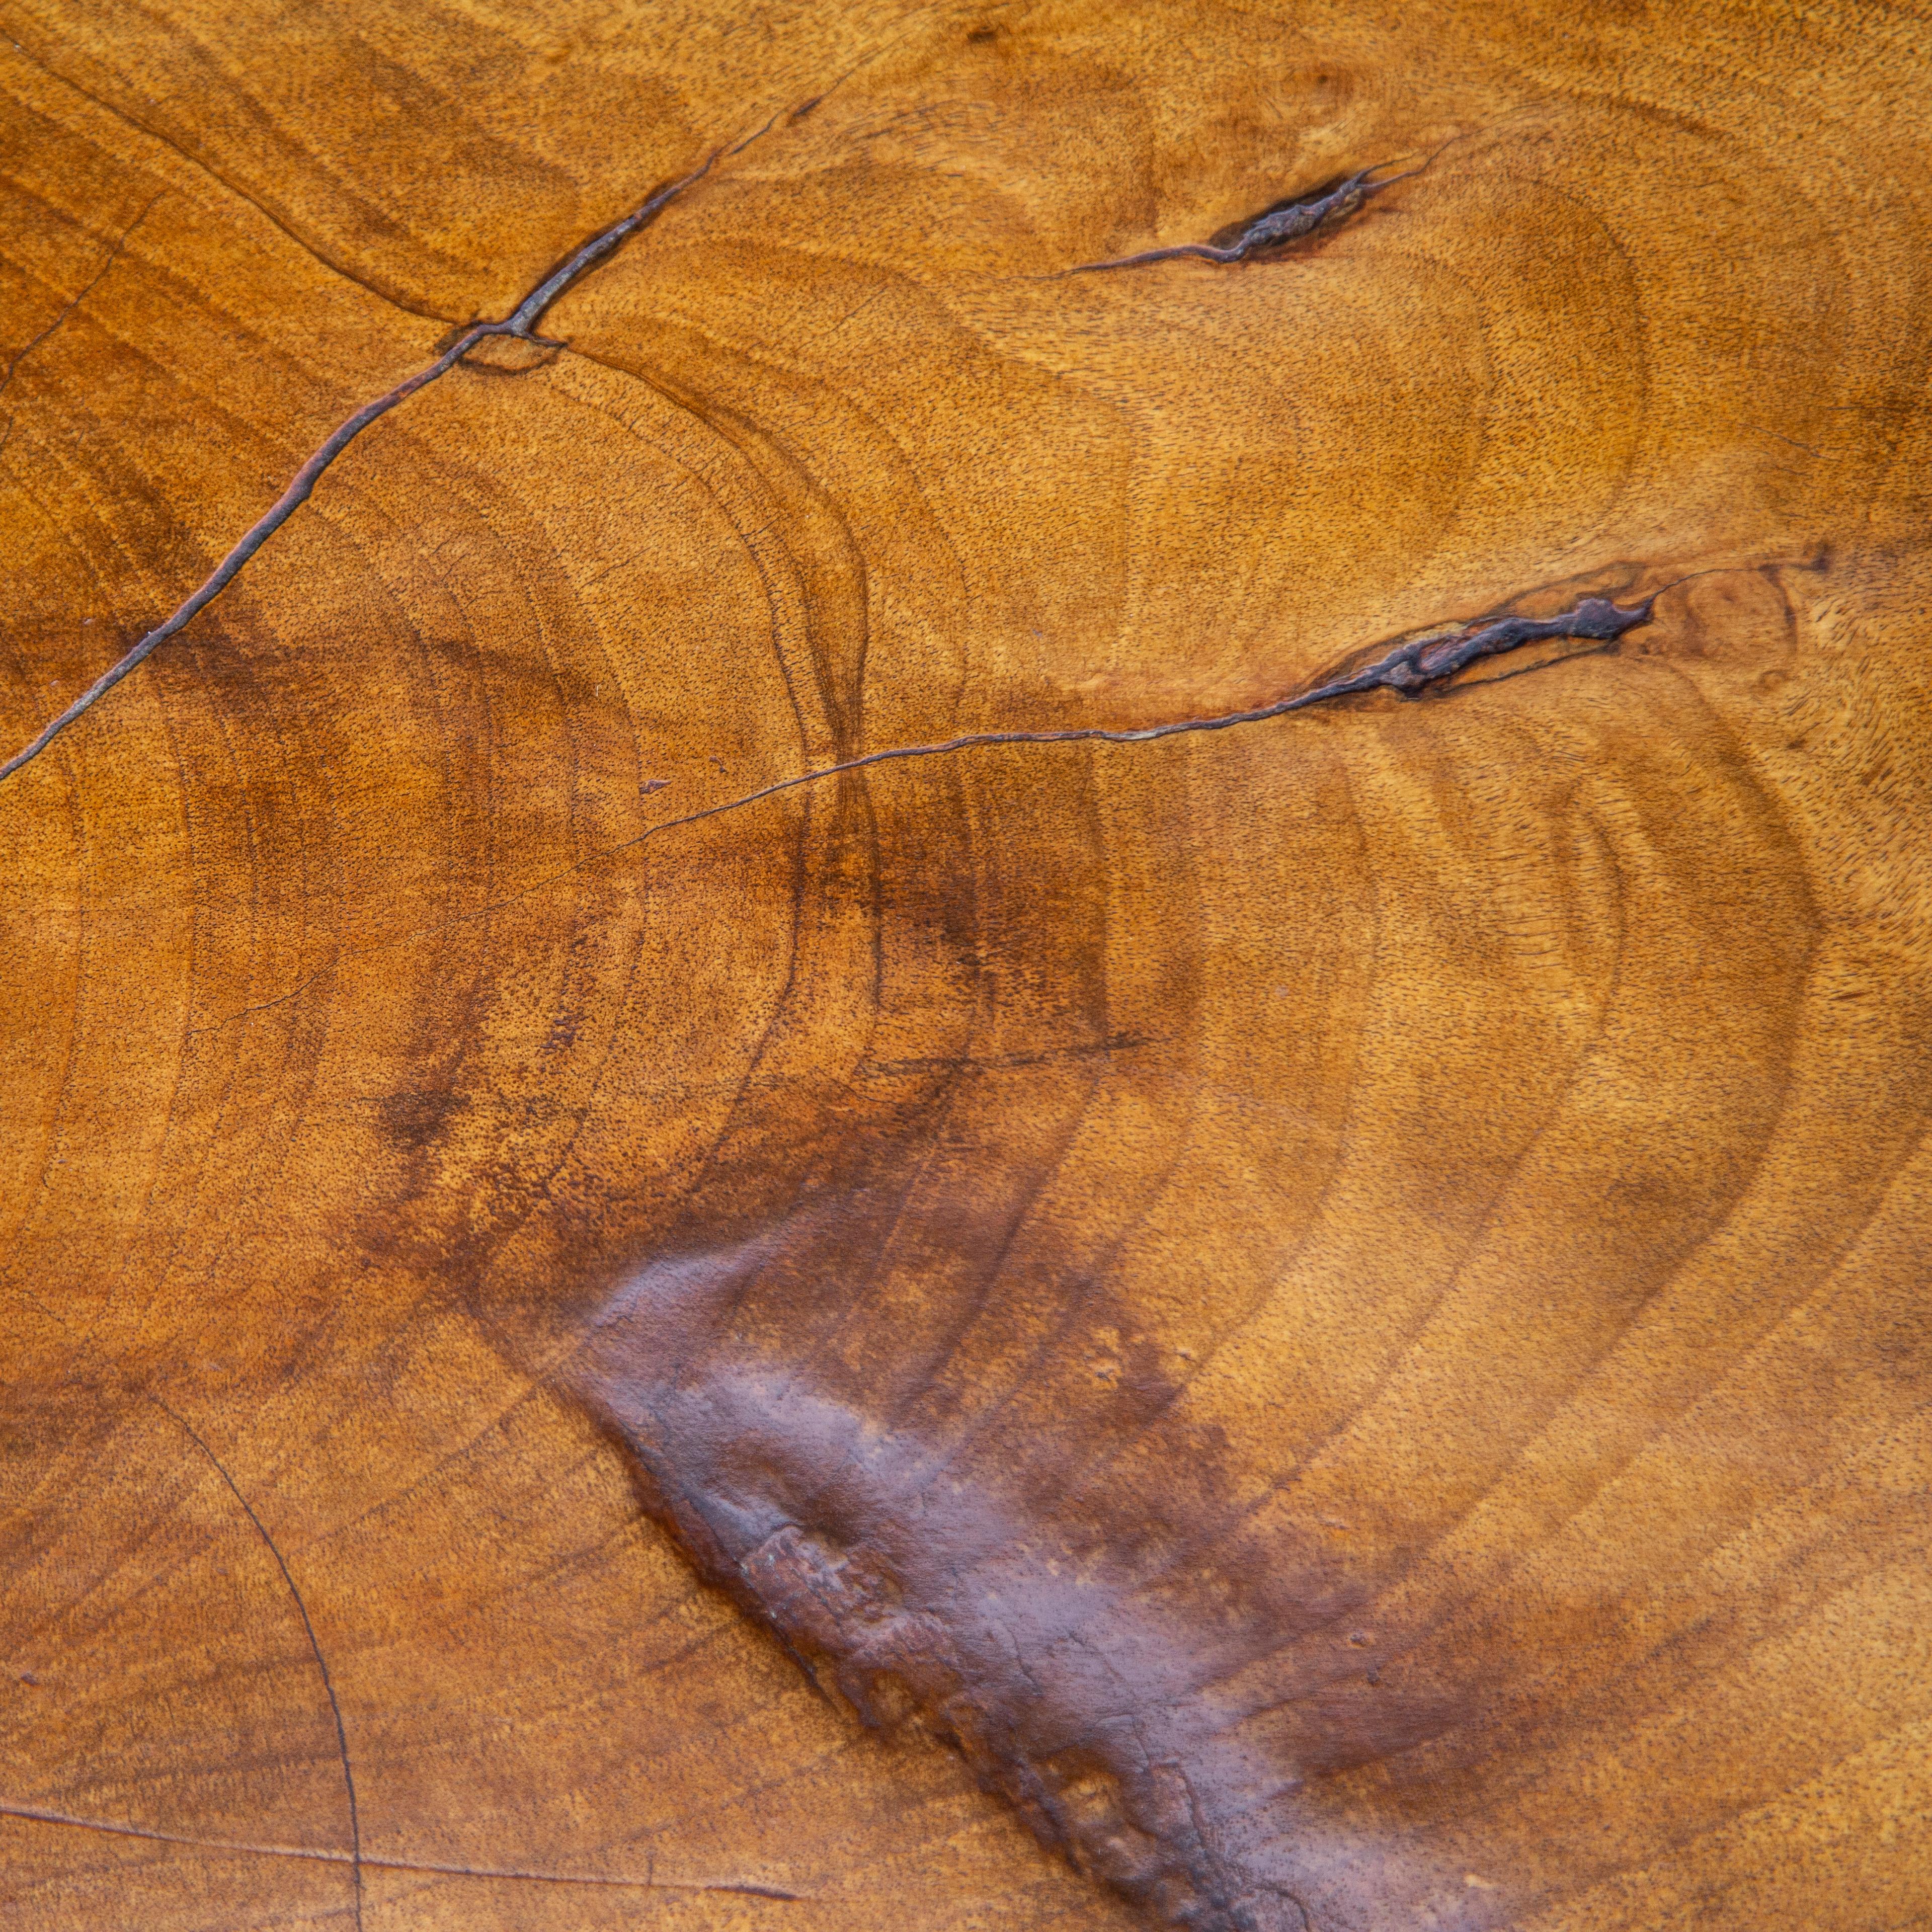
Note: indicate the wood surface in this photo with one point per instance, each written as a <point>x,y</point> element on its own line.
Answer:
<point>1318,1324</point>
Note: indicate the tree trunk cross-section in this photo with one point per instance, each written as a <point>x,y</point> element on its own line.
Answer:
<point>965,966</point>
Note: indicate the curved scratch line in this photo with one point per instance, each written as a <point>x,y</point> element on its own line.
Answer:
<point>323,1854</point>
<point>353,1856</point>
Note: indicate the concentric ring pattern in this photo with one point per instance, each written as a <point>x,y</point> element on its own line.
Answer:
<point>1329,1314</point>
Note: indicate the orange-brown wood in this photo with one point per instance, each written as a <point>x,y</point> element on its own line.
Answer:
<point>620,1309</point>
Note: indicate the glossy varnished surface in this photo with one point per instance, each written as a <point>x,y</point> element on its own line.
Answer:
<point>1329,1314</point>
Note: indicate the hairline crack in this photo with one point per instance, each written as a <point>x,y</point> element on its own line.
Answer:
<point>355,1855</point>
<point>73,302</point>
<point>375,1861</point>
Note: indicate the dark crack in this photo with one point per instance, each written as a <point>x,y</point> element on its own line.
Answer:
<point>1437,644</point>
<point>520,325</point>
<point>1299,218</point>
<point>1410,666</point>
<point>1328,688</point>
<point>1273,229</point>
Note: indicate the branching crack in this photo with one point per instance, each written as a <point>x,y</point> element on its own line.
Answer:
<point>521,325</point>
<point>1412,665</point>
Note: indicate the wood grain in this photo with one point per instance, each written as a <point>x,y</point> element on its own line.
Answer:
<point>1315,1322</point>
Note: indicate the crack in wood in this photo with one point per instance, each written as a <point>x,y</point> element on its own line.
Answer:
<point>201,165</point>
<point>521,325</point>
<point>356,1860</point>
<point>1410,666</point>
<point>1278,226</point>
<point>1413,664</point>
<point>1274,229</point>
<point>68,308</point>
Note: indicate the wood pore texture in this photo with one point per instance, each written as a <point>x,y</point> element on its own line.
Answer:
<point>1320,1324</point>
